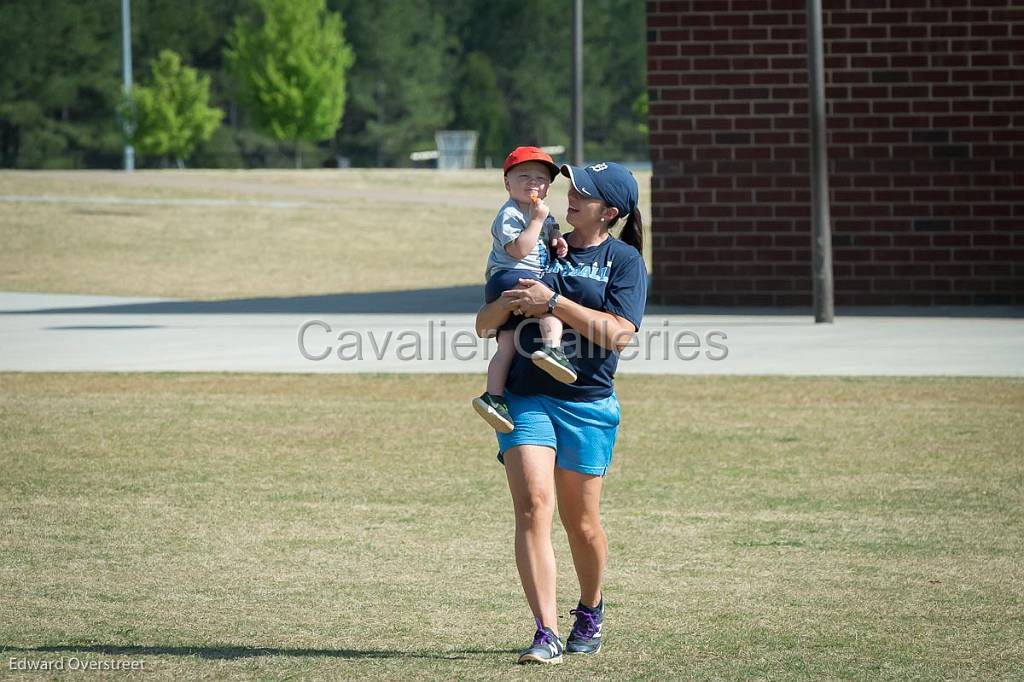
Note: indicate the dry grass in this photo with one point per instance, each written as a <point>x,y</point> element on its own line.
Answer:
<point>366,230</point>
<point>208,253</point>
<point>233,526</point>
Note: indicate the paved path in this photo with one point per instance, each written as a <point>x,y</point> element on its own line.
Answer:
<point>43,333</point>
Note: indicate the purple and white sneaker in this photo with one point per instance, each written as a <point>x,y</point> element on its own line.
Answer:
<point>546,647</point>
<point>585,637</point>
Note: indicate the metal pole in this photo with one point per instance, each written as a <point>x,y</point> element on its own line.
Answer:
<point>576,156</point>
<point>126,63</point>
<point>821,224</point>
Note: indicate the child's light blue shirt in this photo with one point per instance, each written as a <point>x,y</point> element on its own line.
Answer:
<point>508,225</point>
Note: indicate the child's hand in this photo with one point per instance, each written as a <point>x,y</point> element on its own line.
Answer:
<point>560,246</point>
<point>539,210</point>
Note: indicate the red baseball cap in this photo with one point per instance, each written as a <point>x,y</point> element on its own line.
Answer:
<point>523,154</point>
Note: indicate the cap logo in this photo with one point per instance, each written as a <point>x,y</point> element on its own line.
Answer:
<point>597,168</point>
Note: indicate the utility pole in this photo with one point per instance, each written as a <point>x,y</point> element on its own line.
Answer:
<point>821,247</point>
<point>576,148</point>
<point>126,64</point>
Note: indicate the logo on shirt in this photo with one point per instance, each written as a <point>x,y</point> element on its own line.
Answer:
<point>588,270</point>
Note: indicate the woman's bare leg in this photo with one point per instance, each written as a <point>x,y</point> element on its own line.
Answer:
<point>579,501</point>
<point>529,469</point>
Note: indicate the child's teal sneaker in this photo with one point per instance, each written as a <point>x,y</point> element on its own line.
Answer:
<point>553,361</point>
<point>494,410</point>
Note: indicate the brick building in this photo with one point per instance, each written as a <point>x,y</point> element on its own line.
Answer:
<point>925,143</point>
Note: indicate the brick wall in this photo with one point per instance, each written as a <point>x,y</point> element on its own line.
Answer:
<point>925,143</point>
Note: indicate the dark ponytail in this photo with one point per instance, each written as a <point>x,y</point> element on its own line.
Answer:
<point>633,231</point>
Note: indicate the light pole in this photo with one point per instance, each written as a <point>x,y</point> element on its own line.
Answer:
<point>126,63</point>
<point>576,148</point>
<point>821,247</point>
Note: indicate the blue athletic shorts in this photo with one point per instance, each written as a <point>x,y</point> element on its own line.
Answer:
<point>503,280</point>
<point>582,433</point>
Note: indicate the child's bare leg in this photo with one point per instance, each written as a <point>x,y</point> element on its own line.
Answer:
<point>550,358</point>
<point>501,362</point>
<point>551,330</point>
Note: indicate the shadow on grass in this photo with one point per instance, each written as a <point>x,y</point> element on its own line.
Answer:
<point>228,652</point>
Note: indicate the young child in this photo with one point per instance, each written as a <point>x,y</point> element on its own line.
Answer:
<point>522,231</point>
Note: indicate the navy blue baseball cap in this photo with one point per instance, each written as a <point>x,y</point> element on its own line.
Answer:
<point>610,182</point>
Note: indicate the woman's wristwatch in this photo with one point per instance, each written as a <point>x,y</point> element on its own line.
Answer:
<point>552,302</point>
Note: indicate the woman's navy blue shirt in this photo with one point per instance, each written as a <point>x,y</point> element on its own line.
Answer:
<point>610,277</point>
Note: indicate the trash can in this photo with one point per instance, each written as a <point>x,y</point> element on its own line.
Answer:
<point>456,149</point>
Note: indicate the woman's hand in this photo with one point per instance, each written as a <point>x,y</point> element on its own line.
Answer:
<point>529,298</point>
<point>605,329</point>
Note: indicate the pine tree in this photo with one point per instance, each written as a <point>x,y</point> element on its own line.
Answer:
<point>481,107</point>
<point>528,44</point>
<point>59,84</point>
<point>401,85</point>
<point>614,76</point>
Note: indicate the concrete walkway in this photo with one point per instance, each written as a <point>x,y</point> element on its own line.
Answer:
<point>50,333</point>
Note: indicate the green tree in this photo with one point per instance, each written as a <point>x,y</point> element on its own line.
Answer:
<point>481,106</point>
<point>195,29</point>
<point>290,70</point>
<point>170,116</point>
<point>527,42</point>
<point>614,75</point>
<point>58,83</point>
<point>402,84</point>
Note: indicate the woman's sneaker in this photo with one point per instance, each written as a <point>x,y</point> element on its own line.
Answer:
<point>553,361</point>
<point>494,410</point>
<point>585,637</point>
<point>546,647</point>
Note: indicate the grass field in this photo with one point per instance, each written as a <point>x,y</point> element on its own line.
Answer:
<point>358,527</point>
<point>362,230</point>
<point>355,527</point>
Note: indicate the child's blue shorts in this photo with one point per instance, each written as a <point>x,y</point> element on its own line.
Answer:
<point>503,280</point>
<point>582,433</point>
